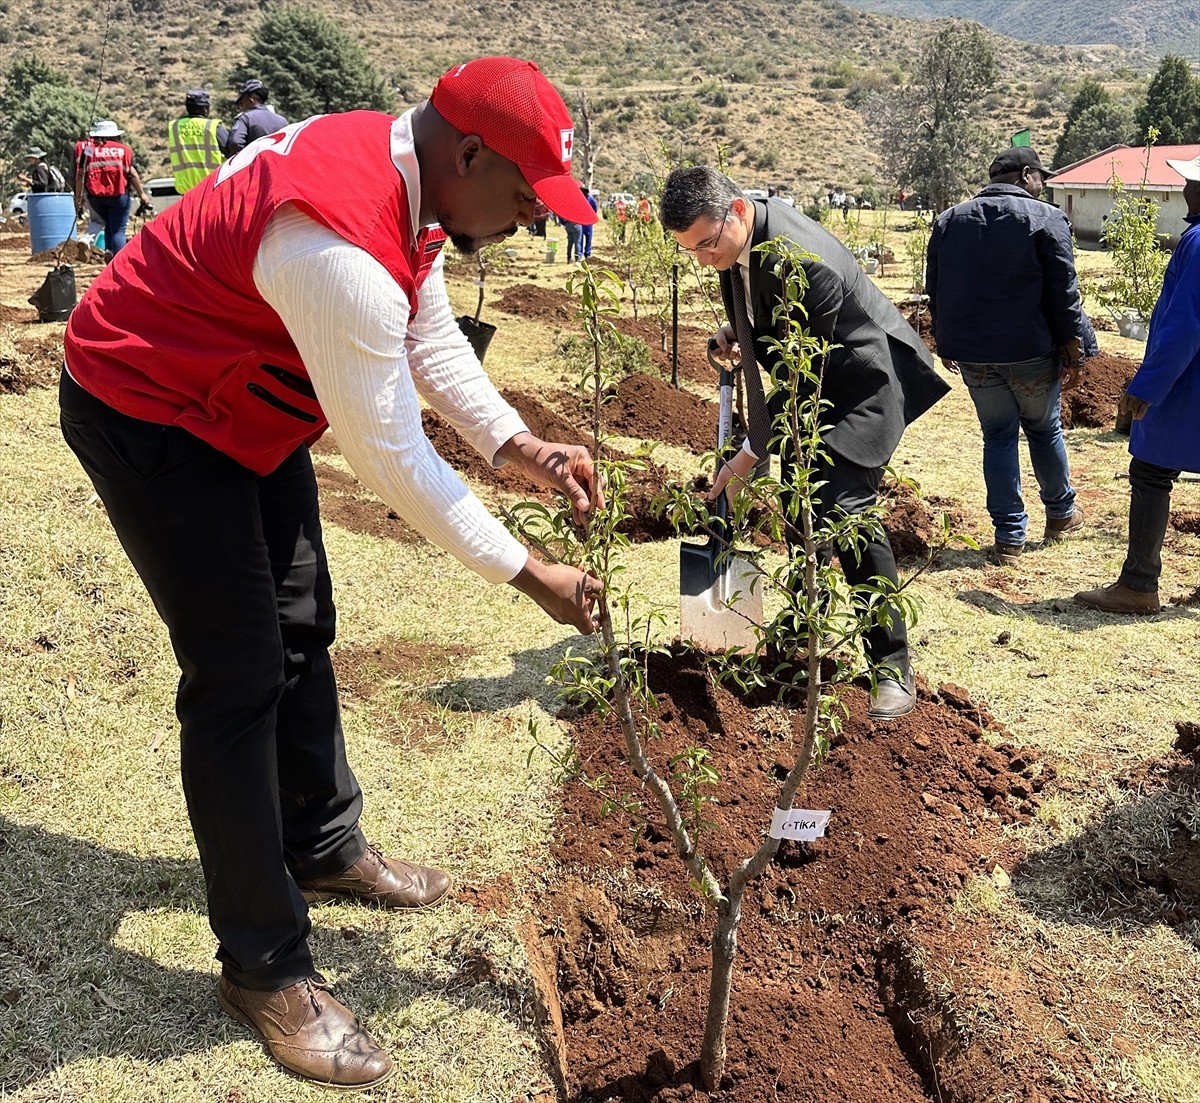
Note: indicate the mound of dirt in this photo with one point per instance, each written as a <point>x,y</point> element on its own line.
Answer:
<point>1092,402</point>
<point>553,306</point>
<point>36,363</point>
<point>918,317</point>
<point>912,523</point>
<point>834,997</point>
<point>1186,520</point>
<point>651,409</point>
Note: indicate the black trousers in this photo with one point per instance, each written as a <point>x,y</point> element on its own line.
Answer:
<point>236,568</point>
<point>1149,511</point>
<point>854,489</point>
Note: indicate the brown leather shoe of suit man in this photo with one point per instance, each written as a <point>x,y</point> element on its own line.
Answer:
<point>305,1028</point>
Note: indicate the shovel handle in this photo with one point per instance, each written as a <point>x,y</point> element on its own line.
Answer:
<point>724,420</point>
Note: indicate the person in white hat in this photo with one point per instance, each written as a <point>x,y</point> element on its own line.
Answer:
<point>1163,400</point>
<point>104,173</point>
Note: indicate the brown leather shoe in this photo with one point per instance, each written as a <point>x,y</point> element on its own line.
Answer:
<point>1059,528</point>
<point>381,881</point>
<point>309,1033</point>
<point>1120,599</point>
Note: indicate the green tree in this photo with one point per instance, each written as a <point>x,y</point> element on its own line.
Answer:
<point>40,106</point>
<point>1099,126</point>
<point>1172,104</point>
<point>928,130</point>
<point>311,66</point>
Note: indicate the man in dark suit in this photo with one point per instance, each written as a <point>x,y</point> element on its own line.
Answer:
<point>879,378</point>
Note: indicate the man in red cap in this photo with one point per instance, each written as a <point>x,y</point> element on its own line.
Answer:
<point>280,297</point>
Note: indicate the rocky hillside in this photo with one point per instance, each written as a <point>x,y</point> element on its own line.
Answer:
<point>1155,26</point>
<point>772,83</point>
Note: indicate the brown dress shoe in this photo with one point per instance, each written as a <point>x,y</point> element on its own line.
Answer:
<point>1058,528</point>
<point>381,881</point>
<point>309,1033</point>
<point>1120,599</point>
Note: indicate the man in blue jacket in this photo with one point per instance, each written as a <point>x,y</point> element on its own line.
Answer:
<point>1163,399</point>
<point>1000,274</point>
<point>256,120</point>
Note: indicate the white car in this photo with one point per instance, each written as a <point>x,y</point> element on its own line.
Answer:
<point>17,204</point>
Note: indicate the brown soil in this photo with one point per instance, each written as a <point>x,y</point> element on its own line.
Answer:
<point>1092,403</point>
<point>365,670</point>
<point>38,363</point>
<point>349,504</point>
<point>651,409</point>
<point>843,942</point>
<point>912,523</point>
<point>553,306</point>
<point>918,317</point>
<point>1186,520</point>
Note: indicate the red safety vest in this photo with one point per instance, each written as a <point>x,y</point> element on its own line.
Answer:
<point>174,330</point>
<point>105,164</point>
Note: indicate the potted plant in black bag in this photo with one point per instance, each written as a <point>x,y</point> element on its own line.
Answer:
<point>478,333</point>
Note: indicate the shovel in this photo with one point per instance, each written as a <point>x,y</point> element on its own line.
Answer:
<point>720,596</point>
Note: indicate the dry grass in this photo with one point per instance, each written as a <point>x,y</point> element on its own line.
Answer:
<point>106,971</point>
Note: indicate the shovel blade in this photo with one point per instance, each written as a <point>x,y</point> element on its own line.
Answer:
<point>718,602</point>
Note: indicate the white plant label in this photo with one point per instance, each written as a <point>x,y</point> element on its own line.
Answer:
<point>801,824</point>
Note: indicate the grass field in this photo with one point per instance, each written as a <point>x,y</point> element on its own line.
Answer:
<point>106,968</point>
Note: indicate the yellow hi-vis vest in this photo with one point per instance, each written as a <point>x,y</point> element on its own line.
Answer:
<point>194,150</point>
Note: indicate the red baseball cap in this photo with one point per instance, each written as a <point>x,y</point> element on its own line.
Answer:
<point>517,113</point>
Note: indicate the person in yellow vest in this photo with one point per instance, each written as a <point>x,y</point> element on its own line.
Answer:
<point>197,142</point>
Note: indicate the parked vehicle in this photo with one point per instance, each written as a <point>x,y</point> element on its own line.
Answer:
<point>17,204</point>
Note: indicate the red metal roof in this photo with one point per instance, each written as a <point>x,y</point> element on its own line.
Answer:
<point>1129,163</point>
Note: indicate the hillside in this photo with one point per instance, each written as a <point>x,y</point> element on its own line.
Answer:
<point>773,83</point>
<point>1156,26</point>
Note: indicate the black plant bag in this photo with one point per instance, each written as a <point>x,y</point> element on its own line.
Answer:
<point>56,297</point>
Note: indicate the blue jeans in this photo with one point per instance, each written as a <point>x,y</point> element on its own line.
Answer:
<point>113,211</point>
<point>586,241</point>
<point>1009,398</point>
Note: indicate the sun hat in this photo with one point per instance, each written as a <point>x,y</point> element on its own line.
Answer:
<point>1014,159</point>
<point>37,152</point>
<point>516,112</point>
<point>1189,170</point>
<point>105,128</point>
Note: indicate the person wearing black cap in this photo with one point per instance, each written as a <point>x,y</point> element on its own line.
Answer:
<point>197,143</point>
<point>280,297</point>
<point>1007,315</point>
<point>256,118</point>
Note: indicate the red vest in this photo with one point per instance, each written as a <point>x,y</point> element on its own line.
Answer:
<point>174,330</point>
<point>105,164</point>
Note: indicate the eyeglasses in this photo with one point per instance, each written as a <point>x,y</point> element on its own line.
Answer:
<point>711,244</point>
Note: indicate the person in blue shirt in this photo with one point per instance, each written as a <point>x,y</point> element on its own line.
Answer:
<point>586,241</point>
<point>1000,274</point>
<point>1163,400</point>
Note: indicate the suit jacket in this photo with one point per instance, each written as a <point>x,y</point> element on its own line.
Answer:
<point>881,378</point>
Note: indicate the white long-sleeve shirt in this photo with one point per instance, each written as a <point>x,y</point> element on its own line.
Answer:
<point>350,322</point>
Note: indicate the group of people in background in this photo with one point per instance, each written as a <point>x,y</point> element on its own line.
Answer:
<point>103,176</point>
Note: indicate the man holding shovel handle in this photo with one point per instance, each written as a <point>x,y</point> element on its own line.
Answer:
<point>878,376</point>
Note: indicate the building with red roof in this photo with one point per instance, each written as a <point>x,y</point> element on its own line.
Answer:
<point>1082,189</point>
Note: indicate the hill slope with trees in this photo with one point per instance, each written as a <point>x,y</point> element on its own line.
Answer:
<point>774,85</point>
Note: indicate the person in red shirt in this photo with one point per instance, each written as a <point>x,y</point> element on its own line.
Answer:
<point>104,173</point>
<point>279,297</point>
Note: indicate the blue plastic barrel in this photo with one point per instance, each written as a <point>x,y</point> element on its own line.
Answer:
<point>51,217</point>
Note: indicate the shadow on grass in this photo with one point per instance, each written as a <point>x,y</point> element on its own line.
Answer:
<point>526,680</point>
<point>1063,612</point>
<point>68,994</point>
<point>1136,865</point>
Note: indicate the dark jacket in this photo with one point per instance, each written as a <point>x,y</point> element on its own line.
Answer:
<point>881,377</point>
<point>258,122</point>
<point>1000,274</point>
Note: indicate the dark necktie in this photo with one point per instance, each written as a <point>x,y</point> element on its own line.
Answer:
<point>757,413</point>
